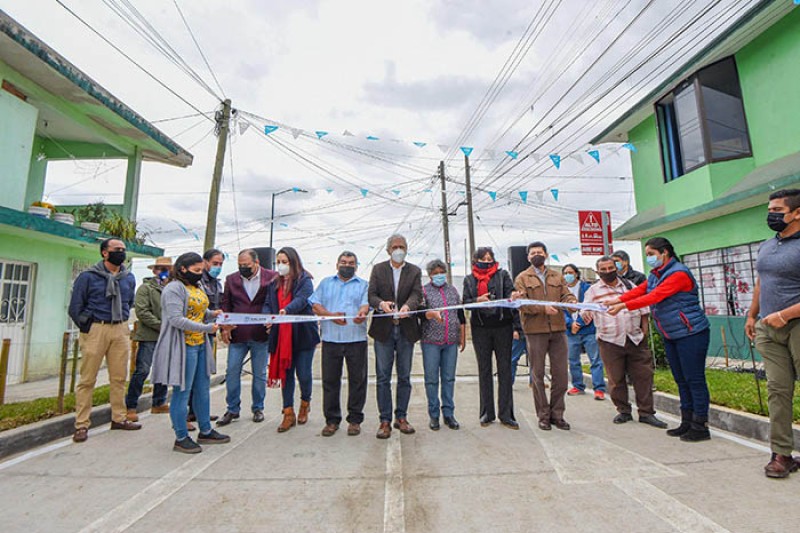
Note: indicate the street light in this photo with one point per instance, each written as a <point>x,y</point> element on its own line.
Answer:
<point>272,215</point>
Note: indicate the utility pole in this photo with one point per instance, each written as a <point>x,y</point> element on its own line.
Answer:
<point>445,224</point>
<point>223,120</point>
<point>470,224</point>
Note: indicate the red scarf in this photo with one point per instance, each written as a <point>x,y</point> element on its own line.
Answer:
<point>483,276</point>
<point>281,360</point>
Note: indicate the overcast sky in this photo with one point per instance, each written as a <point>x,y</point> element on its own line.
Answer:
<point>399,71</point>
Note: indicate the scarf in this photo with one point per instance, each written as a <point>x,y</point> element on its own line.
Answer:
<point>483,276</point>
<point>282,358</point>
<point>112,288</point>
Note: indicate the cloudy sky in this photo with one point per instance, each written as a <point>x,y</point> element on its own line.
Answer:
<point>534,76</point>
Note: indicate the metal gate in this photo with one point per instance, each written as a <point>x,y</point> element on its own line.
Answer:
<point>16,296</point>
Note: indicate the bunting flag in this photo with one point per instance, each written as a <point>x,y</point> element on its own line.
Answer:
<point>631,147</point>
<point>321,134</point>
<point>296,132</point>
<point>444,148</point>
<point>329,189</point>
<point>536,158</point>
<point>283,225</point>
<point>556,159</point>
<point>196,236</point>
<point>554,192</point>
<point>540,196</point>
<point>295,189</point>
<point>269,129</point>
<point>364,192</point>
<point>427,190</point>
<point>243,127</point>
<point>396,192</point>
<point>555,258</point>
<point>491,154</point>
<point>577,158</point>
<point>347,134</point>
<point>595,154</point>
<point>372,138</point>
<point>419,144</point>
<point>467,150</point>
<point>512,154</point>
<point>493,195</point>
<point>524,196</point>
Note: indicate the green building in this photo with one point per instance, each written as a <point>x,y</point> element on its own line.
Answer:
<point>49,111</point>
<point>713,141</point>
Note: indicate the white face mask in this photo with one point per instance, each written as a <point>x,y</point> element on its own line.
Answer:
<point>283,269</point>
<point>398,255</point>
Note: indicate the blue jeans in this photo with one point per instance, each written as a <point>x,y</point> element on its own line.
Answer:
<point>400,350</point>
<point>577,344</point>
<point>687,360</point>
<point>259,354</point>
<point>197,383</point>
<point>144,360</point>
<point>518,347</point>
<point>301,365</point>
<point>440,360</point>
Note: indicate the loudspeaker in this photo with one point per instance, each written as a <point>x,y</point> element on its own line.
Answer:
<point>517,260</point>
<point>266,256</point>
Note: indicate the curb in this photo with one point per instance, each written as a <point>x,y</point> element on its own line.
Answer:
<point>30,436</point>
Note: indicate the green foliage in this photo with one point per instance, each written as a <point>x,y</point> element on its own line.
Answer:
<point>656,343</point>
<point>96,212</point>
<point>121,227</point>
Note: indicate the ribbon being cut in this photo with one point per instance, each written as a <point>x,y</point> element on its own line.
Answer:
<point>241,319</point>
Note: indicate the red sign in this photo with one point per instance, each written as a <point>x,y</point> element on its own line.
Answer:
<point>593,225</point>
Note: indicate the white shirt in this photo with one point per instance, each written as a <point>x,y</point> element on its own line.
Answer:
<point>396,271</point>
<point>625,325</point>
<point>576,291</point>
<point>252,285</point>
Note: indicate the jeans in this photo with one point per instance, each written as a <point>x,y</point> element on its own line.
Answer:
<point>518,347</point>
<point>197,383</point>
<point>144,360</point>
<point>687,360</point>
<point>301,365</point>
<point>440,361</point>
<point>577,344</point>
<point>397,350</point>
<point>259,354</point>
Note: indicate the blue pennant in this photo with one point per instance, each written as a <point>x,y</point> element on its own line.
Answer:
<point>420,144</point>
<point>595,154</point>
<point>295,189</point>
<point>512,154</point>
<point>467,150</point>
<point>321,134</point>
<point>427,190</point>
<point>329,189</point>
<point>372,138</point>
<point>269,129</point>
<point>631,147</point>
<point>396,192</point>
<point>493,195</point>
<point>284,225</point>
<point>554,192</point>
<point>555,257</point>
<point>364,192</point>
<point>556,159</point>
<point>524,196</point>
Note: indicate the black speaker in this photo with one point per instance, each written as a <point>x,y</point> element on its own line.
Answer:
<point>517,260</point>
<point>266,256</point>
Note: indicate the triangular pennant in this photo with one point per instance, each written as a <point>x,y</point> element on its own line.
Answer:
<point>555,258</point>
<point>396,192</point>
<point>631,147</point>
<point>595,154</point>
<point>427,190</point>
<point>364,192</point>
<point>493,195</point>
<point>512,154</point>
<point>491,154</point>
<point>284,225</point>
<point>196,236</point>
<point>577,158</point>
<point>296,132</point>
<point>243,127</point>
<point>372,138</point>
<point>321,134</point>
<point>467,150</point>
<point>346,133</point>
<point>444,148</point>
<point>524,196</point>
<point>536,157</point>
<point>540,195</point>
<point>419,144</point>
<point>295,189</point>
<point>269,129</point>
<point>556,159</point>
<point>554,192</point>
<point>329,189</point>
<point>574,249</point>
<point>462,193</point>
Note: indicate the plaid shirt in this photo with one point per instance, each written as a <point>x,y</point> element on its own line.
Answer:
<point>615,329</point>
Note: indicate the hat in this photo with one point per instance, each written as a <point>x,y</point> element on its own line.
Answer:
<point>164,262</point>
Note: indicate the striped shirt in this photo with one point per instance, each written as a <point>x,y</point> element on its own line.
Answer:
<point>615,329</point>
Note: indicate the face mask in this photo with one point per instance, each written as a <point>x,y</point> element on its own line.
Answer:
<point>439,280</point>
<point>347,272</point>
<point>164,274</point>
<point>283,269</point>
<point>618,265</point>
<point>775,222</point>
<point>215,271</point>
<point>607,277</point>
<point>398,255</point>
<point>192,277</point>
<point>654,261</point>
<point>538,261</point>
<point>570,278</point>
<point>116,258</point>
<point>484,265</point>
<point>246,272</point>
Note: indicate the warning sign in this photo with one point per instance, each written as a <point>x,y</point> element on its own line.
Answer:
<point>595,232</point>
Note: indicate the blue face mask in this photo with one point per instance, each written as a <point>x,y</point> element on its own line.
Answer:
<point>439,280</point>
<point>215,271</point>
<point>164,274</point>
<point>654,261</point>
<point>570,278</point>
<point>618,265</point>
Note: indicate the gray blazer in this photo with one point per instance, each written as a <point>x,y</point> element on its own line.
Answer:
<point>169,358</point>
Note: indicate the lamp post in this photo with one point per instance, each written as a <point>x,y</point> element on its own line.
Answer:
<point>272,213</point>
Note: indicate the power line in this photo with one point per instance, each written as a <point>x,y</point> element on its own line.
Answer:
<point>197,44</point>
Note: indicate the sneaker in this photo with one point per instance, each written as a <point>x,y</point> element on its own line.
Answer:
<point>574,391</point>
<point>213,437</point>
<point>599,395</point>
<point>186,445</point>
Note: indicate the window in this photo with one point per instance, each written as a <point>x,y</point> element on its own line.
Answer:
<point>702,121</point>
<point>726,278</point>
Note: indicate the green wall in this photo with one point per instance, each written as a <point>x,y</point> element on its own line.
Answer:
<point>18,121</point>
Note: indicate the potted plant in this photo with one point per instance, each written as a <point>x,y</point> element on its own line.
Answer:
<point>41,209</point>
<point>121,227</point>
<point>92,215</point>
<point>64,218</point>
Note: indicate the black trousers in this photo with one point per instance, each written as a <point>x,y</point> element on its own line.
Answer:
<point>486,340</point>
<point>334,355</point>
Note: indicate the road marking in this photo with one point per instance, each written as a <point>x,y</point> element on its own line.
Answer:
<point>134,509</point>
<point>394,520</point>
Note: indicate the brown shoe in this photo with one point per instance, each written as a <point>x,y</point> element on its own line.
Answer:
<point>288,421</point>
<point>125,425</point>
<point>302,414</point>
<point>353,429</point>
<point>545,425</point>
<point>190,427</point>
<point>780,466</point>
<point>329,430</point>
<point>132,415</point>
<point>159,410</point>
<point>561,424</point>
<point>80,435</point>
<point>385,431</point>
<point>404,427</point>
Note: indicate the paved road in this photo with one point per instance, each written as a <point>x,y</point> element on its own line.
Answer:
<point>596,477</point>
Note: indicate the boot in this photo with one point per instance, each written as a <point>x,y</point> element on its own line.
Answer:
<point>288,420</point>
<point>698,430</point>
<point>686,422</point>
<point>302,415</point>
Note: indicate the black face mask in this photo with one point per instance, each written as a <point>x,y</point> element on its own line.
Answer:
<point>775,222</point>
<point>347,272</point>
<point>116,258</point>
<point>191,277</point>
<point>246,272</point>
<point>538,261</point>
<point>484,265</point>
<point>607,277</point>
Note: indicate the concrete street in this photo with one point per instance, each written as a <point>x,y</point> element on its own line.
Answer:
<point>596,477</point>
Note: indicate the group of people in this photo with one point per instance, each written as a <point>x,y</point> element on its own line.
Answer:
<point>177,333</point>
